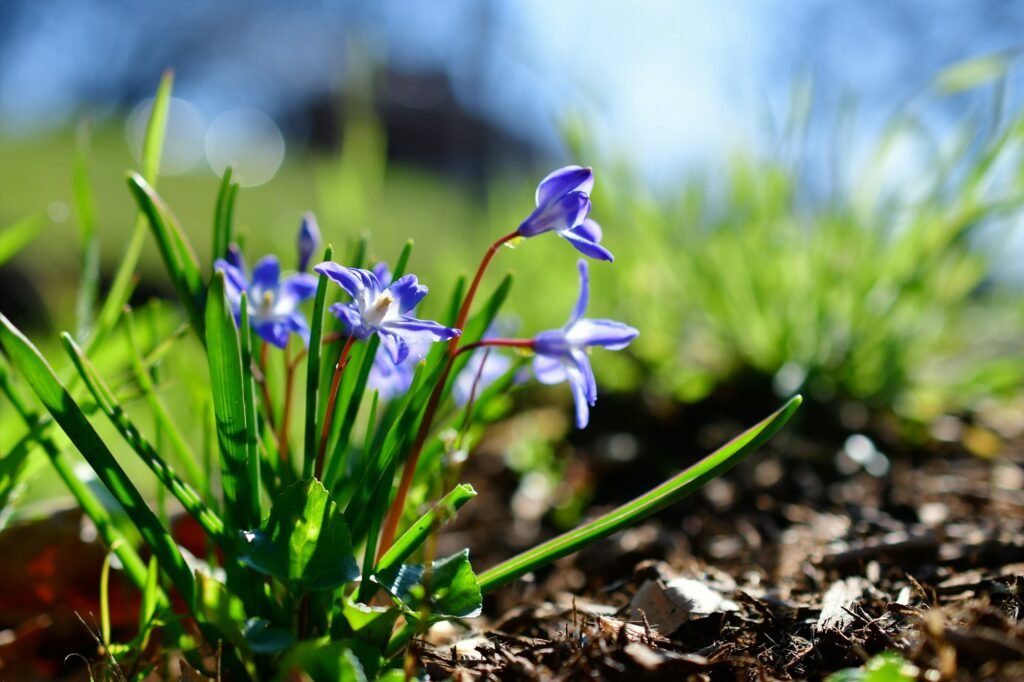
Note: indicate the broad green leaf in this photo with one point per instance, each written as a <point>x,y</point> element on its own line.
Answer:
<point>322,660</point>
<point>885,667</point>
<point>316,333</point>
<point>73,421</point>
<point>441,513</point>
<point>108,404</point>
<point>453,588</point>
<point>14,238</point>
<point>304,542</point>
<point>264,638</point>
<point>241,496</point>
<point>152,146</point>
<point>669,492</point>
<point>178,254</point>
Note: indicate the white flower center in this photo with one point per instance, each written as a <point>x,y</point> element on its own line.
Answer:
<point>376,313</point>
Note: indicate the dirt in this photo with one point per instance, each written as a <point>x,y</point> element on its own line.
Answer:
<point>797,564</point>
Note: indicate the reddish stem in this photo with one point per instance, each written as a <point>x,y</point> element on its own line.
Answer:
<point>282,434</point>
<point>268,403</point>
<point>508,343</point>
<point>409,469</point>
<point>325,432</point>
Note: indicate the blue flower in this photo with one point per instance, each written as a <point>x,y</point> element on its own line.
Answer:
<point>489,366</point>
<point>562,353</point>
<point>392,380</point>
<point>272,302</point>
<point>309,239</point>
<point>385,310</point>
<point>563,204</point>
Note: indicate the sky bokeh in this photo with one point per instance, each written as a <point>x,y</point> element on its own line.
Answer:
<point>667,84</point>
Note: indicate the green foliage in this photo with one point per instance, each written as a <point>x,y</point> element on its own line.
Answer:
<point>887,667</point>
<point>301,588</point>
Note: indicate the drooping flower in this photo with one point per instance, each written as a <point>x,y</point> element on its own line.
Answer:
<point>563,204</point>
<point>273,303</point>
<point>562,353</point>
<point>309,239</point>
<point>384,310</point>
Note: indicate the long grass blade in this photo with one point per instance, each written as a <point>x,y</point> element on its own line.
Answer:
<point>73,421</point>
<point>669,492</point>
<point>152,148</point>
<point>85,214</point>
<point>223,217</point>
<point>108,404</point>
<point>178,254</point>
<point>241,498</point>
<point>313,359</point>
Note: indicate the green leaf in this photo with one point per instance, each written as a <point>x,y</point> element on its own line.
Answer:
<point>15,237</point>
<point>73,421</point>
<point>263,638</point>
<point>85,213</point>
<point>322,660</point>
<point>885,667</point>
<point>304,542</point>
<point>669,492</point>
<point>252,453</point>
<point>441,513</point>
<point>152,147</point>
<point>178,254</point>
<point>223,217</point>
<point>313,360</point>
<point>108,404</point>
<point>86,498</point>
<point>972,73</point>
<point>454,590</point>
<point>241,494</point>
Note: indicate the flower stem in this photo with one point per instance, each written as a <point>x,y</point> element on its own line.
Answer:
<point>325,433</point>
<point>286,411</point>
<point>409,469</point>
<point>268,402</point>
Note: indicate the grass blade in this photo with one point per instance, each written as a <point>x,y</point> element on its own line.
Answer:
<point>241,498</point>
<point>152,147</point>
<point>252,454</point>
<point>109,405</point>
<point>441,513</point>
<point>85,213</point>
<point>15,237</point>
<point>669,492</point>
<point>73,421</point>
<point>177,252</point>
<point>316,333</point>
<point>223,217</point>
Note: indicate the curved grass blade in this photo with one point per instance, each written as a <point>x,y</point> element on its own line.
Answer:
<point>252,454</point>
<point>178,254</point>
<point>316,333</point>
<point>223,217</point>
<point>152,147</point>
<point>669,492</point>
<point>441,513</point>
<point>241,497</point>
<point>108,404</point>
<point>73,421</point>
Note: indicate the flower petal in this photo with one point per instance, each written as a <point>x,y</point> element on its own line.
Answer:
<point>582,363</point>
<point>382,273</point>
<point>581,303</point>
<point>564,180</point>
<point>605,333</point>
<point>235,258</point>
<point>350,279</point>
<point>274,332</point>
<point>296,289</point>
<point>590,230</point>
<point>549,370</point>
<point>351,320</point>
<point>309,239</point>
<point>234,281</point>
<point>297,325</point>
<point>586,246</point>
<point>579,396</point>
<point>408,293</point>
<point>266,273</point>
<point>411,330</point>
<point>561,214</point>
